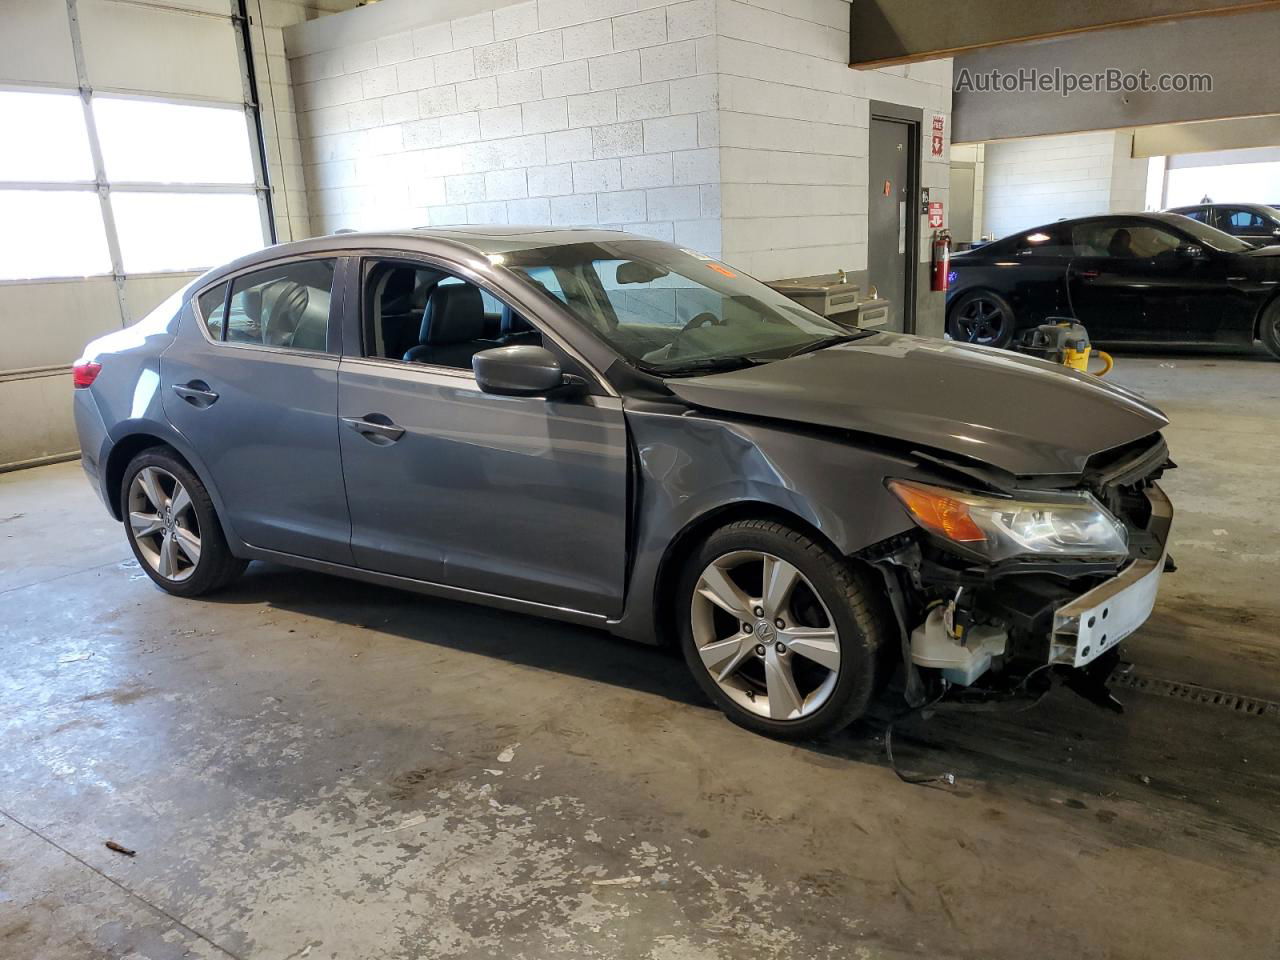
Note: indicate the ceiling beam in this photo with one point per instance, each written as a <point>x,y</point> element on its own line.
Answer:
<point>887,32</point>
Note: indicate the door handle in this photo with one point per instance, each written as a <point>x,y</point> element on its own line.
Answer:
<point>196,393</point>
<point>380,430</point>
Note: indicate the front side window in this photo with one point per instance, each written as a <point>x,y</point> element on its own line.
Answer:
<point>417,313</point>
<point>282,306</point>
<point>664,308</point>
<point>1128,241</point>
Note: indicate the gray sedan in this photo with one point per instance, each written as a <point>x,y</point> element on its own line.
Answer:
<point>616,432</point>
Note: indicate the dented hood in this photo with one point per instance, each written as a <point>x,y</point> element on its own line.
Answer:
<point>1018,414</point>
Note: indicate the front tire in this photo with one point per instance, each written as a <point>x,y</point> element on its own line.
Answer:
<point>780,632</point>
<point>1269,328</point>
<point>981,317</point>
<point>172,526</point>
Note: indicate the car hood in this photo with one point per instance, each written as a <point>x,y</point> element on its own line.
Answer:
<point>1018,414</point>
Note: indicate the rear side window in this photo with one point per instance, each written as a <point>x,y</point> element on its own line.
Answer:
<point>213,308</point>
<point>1043,242</point>
<point>284,306</point>
<point>1233,218</point>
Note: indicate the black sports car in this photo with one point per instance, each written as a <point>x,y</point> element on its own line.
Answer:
<point>1255,223</point>
<point>1132,277</point>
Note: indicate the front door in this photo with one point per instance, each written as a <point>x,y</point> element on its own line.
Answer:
<point>1126,280</point>
<point>255,392</point>
<point>521,497</point>
<point>889,233</point>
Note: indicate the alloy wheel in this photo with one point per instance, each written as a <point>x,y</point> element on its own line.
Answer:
<point>981,321</point>
<point>164,523</point>
<point>765,636</point>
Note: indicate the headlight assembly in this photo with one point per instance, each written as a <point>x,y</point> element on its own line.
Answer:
<point>1071,524</point>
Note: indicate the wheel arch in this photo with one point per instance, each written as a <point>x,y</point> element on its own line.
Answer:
<point>134,442</point>
<point>1271,303</point>
<point>687,539</point>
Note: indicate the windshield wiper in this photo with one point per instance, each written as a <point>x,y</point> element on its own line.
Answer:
<point>824,343</point>
<point>708,365</point>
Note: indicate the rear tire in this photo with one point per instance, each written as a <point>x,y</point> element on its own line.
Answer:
<point>173,528</point>
<point>981,317</point>
<point>1269,327</point>
<point>799,655</point>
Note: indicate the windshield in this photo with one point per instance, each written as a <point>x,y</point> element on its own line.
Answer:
<point>1210,237</point>
<point>669,310</point>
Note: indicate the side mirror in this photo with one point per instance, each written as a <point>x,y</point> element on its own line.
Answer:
<point>1276,233</point>
<point>1192,251</point>
<point>519,371</point>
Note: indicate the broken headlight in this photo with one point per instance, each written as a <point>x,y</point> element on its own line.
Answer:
<point>1071,524</point>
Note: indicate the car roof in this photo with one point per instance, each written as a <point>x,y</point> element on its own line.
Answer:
<point>1256,207</point>
<point>462,240</point>
<point>1171,219</point>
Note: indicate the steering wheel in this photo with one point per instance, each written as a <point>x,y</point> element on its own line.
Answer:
<point>698,320</point>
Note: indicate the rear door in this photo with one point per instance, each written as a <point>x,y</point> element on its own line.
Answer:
<point>252,384</point>
<point>519,497</point>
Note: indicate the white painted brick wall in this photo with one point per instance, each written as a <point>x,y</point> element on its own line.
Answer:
<point>1030,182</point>
<point>793,133</point>
<point>548,111</point>
<point>725,125</point>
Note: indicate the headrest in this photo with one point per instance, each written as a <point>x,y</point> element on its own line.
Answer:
<point>454,314</point>
<point>513,323</point>
<point>398,285</point>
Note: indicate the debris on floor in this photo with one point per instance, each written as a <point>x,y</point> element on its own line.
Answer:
<point>118,848</point>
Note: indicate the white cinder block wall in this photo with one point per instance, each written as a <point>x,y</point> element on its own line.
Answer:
<point>794,136</point>
<point>555,111</point>
<point>731,126</point>
<point>1039,180</point>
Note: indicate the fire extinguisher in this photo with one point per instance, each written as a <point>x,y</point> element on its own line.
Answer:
<point>941,261</point>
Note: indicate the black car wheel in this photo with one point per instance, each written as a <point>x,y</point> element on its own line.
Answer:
<point>981,317</point>
<point>780,632</point>
<point>172,526</point>
<point>1270,328</point>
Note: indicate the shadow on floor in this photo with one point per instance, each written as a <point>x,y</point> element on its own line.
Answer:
<point>1162,753</point>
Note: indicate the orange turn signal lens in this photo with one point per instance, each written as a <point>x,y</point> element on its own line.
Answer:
<point>937,512</point>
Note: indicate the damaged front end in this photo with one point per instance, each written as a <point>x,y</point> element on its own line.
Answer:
<point>1007,583</point>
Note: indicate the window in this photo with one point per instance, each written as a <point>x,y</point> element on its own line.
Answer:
<point>51,233</point>
<point>1200,214</point>
<point>666,308</point>
<point>184,231</point>
<point>1044,242</point>
<point>179,177</point>
<point>45,138</point>
<point>199,144</point>
<point>213,308</point>
<point>421,314</point>
<point>1236,220</point>
<point>282,306</point>
<point>1130,241</point>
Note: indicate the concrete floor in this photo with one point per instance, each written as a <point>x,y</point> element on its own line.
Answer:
<point>312,767</point>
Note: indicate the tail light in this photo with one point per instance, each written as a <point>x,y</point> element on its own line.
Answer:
<point>83,374</point>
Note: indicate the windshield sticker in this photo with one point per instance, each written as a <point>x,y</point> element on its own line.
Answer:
<point>724,270</point>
